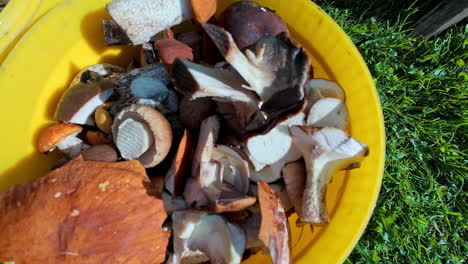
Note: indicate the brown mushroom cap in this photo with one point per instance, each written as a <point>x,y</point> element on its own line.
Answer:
<point>79,102</point>
<point>51,136</point>
<point>84,212</point>
<point>248,22</point>
<point>157,124</point>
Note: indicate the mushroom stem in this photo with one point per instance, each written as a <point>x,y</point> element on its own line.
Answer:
<point>325,151</point>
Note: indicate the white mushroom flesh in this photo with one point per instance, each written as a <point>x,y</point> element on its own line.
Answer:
<point>328,112</point>
<point>325,151</point>
<point>133,138</point>
<point>72,146</point>
<point>236,170</point>
<point>320,88</point>
<point>264,150</point>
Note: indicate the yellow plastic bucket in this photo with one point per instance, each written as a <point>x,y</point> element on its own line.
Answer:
<point>17,17</point>
<point>69,38</point>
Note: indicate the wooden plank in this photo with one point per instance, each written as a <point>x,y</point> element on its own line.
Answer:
<point>443,16</point>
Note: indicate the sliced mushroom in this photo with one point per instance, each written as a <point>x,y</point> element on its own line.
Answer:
<point>256,22</point>
<point>97,73</point>
<point>328,112</point>
<point>176,175</point>
<point>215,166</point>
<point>79,102</point>
<point>317,89</point>
<point>209,131</point>
<point>146,86</point>
<point>265,65</point>
<point>325,150</point>
<point>294,176</point>
<point>197,81</point>
<point>235,168</point>
<point>224,244</point>
<point>274,229</point>
<point>142,19</point>
<point>64,137</point>
<point>272,148</point>
<point>142,133</point>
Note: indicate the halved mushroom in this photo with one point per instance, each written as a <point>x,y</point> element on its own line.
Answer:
<point>225,243</point>
<point>142,19</point>
<point>274,229</point>
<point>328,112</point>
<point>325,150</point>
<point>214,166</point>
<point>317,89</point>
<point>64,137</point>
<point>265,65</point>
<point>175,176</point>
<point>273,148</point>
<point>79,102</point>
<point>142,133</point>
<point>97,73</point>
<point>248,21</point>
<point>294,176</point>
<point>147,86</point>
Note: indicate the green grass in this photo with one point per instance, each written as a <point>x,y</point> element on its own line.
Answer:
<point>423,85</point>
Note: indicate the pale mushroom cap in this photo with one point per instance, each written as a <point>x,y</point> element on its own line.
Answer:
<point>152,122</point>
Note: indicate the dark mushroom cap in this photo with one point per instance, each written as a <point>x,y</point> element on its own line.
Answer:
<point>248,22</point>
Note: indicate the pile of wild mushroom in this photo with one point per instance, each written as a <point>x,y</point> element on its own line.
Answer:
<point>227,113</point>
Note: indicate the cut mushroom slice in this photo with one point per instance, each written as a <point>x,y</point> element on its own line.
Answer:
<point>142,19</point>
<point>197,81</point>
<point>225,244</point>
<point>175,176</point>
<point>264,66</point>
<point>272,173</point>
<point>257,22</point>
<point>113,34</point>
<point>317,89</point>
<point>64,137</point>
<point>328,112</point>
<point>294,176</point>
<point>209,131</point>
<point>79,102</point>
<point>274,229</point>
<point>235,168</point>
<point>142,133</point>
<point>325,151</point>
<point>97,73</point>
<point>268,149</point>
